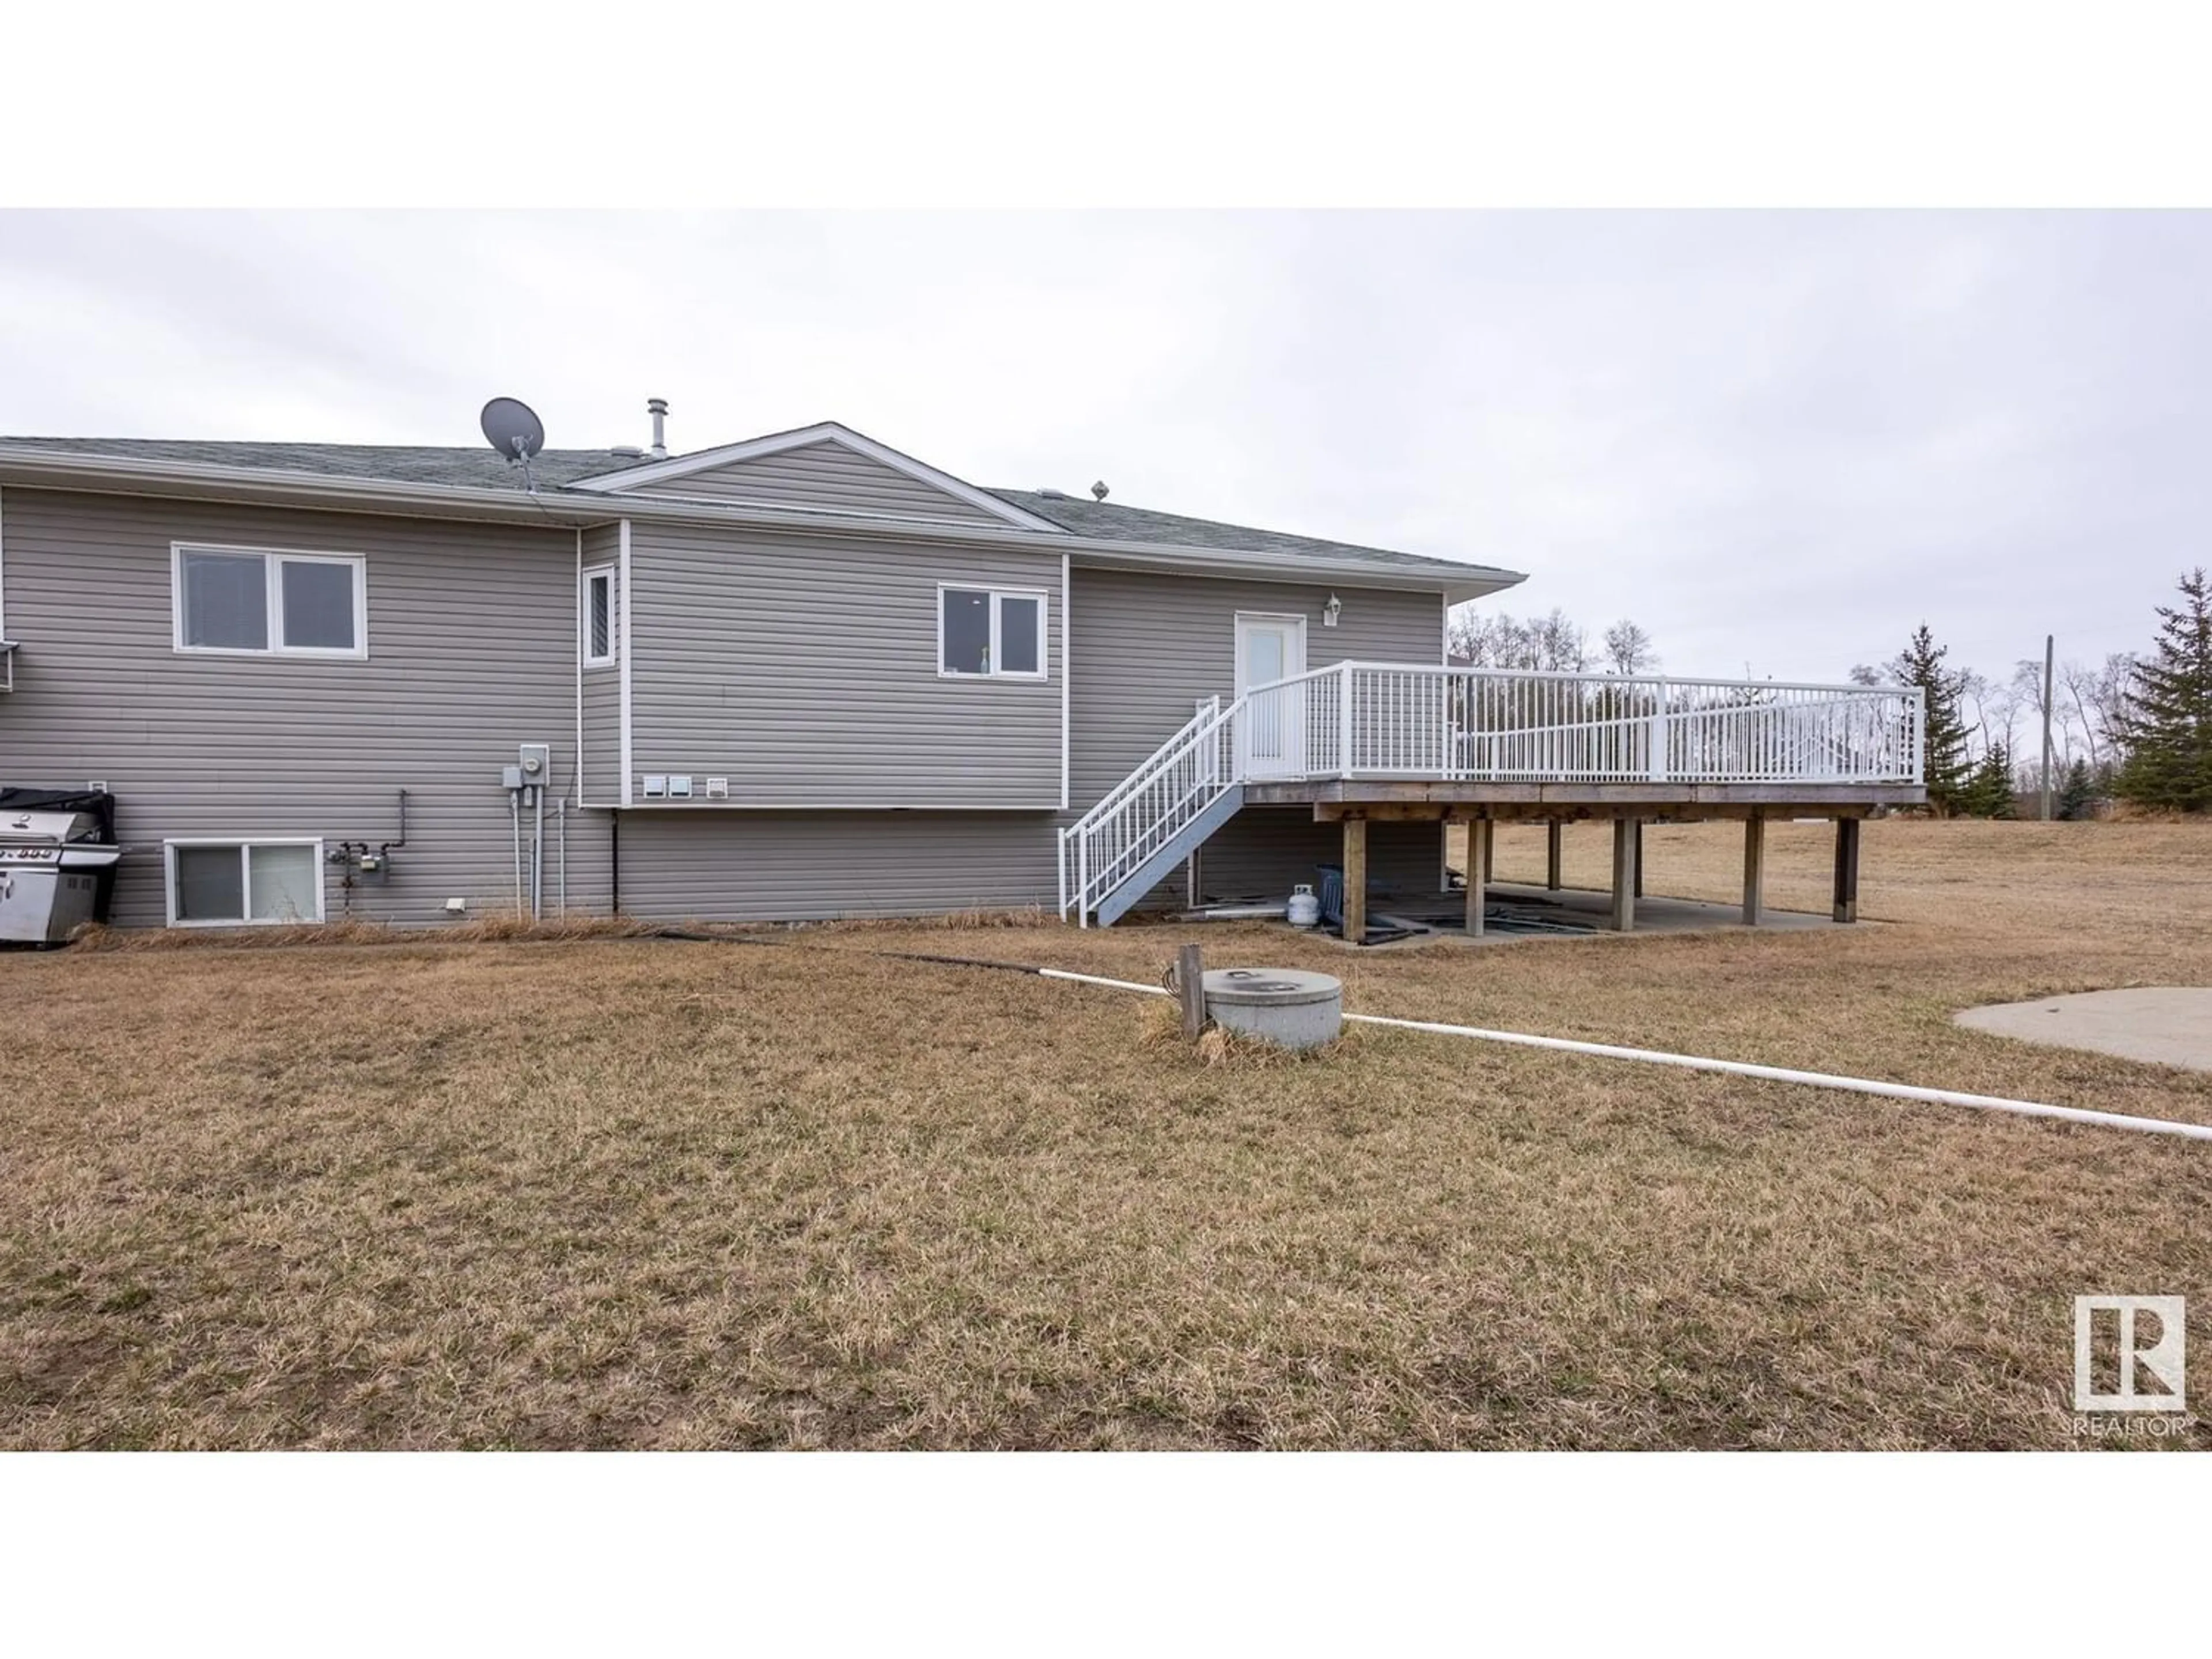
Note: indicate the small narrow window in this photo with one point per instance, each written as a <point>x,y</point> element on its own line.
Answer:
<point>237,883</point>
<point>989,634</point>
<point>238,601</point>
<point>598,616</point>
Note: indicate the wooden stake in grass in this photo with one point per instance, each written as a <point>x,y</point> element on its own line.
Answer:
<point>1190,987</point>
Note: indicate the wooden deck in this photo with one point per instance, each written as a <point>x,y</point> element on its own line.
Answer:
<point>1562,802</point>
<point>1362,741</point>
<point>1355,802</point>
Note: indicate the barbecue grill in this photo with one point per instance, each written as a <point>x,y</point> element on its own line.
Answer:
<point>54,865</point>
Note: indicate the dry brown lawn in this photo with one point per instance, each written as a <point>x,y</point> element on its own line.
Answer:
<point>627,1192</point>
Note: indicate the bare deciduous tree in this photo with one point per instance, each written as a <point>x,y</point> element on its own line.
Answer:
<point>2099,696</point>
<point>1629,650</point>
<point>1497,639</point>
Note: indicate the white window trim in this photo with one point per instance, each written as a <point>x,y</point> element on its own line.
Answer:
<point>245,877</point>
<point>593,573</point>
<point>273,561</point>
<point>1044,630</point>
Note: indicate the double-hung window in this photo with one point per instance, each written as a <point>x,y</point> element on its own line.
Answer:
<point>247,601</point>
<point>990,632</point>
<point>599,632</point>
<point>231,882</point>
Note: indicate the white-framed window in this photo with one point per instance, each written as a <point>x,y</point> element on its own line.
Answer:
<point>238,884</point>
<point>994,633</point>
<point>266,602</point>
<point>600,637</point>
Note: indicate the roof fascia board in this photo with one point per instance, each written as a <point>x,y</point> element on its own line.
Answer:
<point>681,466</point>
<point>1150,559</point>
<point>52,470</point>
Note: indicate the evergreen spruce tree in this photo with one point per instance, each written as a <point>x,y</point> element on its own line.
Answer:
<point>2077,796</point>
<point>2168,722</point>
<point>1944,763</point>
<point>1987,793</point>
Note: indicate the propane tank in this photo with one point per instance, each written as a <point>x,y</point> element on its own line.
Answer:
<point>1304,907</point>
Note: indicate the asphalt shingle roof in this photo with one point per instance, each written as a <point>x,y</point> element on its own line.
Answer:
<point>479,468</point>
<point>1111,521</point>
<point>476,468</point>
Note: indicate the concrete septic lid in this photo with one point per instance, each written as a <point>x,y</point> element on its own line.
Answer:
<point>2165,1024</point>
<point>1270,988</point>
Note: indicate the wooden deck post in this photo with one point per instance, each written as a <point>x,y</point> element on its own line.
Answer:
<point>1480,832</point>
<point>1847,869</point>
<point>1552,859</point>
<point>1754,867</point>
<point>1355,879</point>
<point>1624,875</point>
<point>1639,858</point>
<point>1489,853</point>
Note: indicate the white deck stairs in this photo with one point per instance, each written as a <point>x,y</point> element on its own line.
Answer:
<point>1151,821</point>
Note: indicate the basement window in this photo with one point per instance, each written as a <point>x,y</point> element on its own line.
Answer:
<point>599,617</point>
<point>231,884</point>
<point>990,633</point>
<point>234,601</point>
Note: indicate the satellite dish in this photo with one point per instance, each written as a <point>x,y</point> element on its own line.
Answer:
<point>510,428</point>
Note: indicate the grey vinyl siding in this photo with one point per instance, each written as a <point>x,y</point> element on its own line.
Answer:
<point>1146,647</point>
<point>785,866</point>
<point>471,632</point>
<point>600,773</point>
<point>827,476</point>
<point>805,669</point>
<point>1265,851</point>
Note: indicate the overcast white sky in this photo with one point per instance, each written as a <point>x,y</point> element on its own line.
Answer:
<point>1777,440</point>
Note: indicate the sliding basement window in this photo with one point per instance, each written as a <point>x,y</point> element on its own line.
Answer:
<point>232,883</point>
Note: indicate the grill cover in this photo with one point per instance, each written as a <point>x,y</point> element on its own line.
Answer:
<point>39,808</point>
<point>14,802</point>
<point>41,828</point>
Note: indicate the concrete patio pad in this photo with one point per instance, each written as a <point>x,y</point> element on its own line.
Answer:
<point>2166,1024</point>
<point>1511,907</point>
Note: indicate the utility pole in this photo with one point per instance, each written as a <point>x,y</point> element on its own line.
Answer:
<point>2050,653</point>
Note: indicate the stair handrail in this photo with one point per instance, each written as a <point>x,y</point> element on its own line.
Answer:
<point>1208,710</point>
<point>1089,886</point>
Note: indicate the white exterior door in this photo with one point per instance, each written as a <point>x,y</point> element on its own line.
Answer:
<point>1272,737</point>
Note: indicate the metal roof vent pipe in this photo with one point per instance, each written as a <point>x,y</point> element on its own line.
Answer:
<point>657,408</point>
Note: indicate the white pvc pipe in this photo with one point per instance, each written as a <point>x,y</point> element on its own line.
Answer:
<point>1112,984</point>
<point>1859,1085</point>
<point>1814,1079</point>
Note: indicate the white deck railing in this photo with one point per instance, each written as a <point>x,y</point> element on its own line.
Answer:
<point>1362,719</point>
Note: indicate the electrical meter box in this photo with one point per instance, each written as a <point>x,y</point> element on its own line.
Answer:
<point>536,761</point>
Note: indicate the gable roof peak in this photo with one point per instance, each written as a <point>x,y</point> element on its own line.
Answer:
<point>677,467</point>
